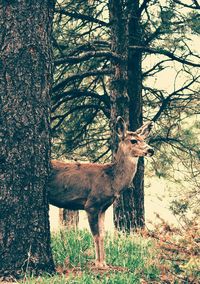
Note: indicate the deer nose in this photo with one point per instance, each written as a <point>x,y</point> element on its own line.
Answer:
<point>150,151</point>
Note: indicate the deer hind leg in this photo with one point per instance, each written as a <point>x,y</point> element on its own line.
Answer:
<point>96,222</point>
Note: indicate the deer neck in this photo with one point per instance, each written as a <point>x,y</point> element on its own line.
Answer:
<point>124,171</point>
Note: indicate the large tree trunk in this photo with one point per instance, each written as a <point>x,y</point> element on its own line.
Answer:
<point>25,77</point>
<point>126,100</point>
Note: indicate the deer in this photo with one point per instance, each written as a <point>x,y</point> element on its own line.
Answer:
<point>93,187</point>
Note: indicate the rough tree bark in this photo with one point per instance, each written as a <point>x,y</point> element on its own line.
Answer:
<point>25,78</point>
<point>136,194</point>
<point>119,101</point>
<point>126,100</point>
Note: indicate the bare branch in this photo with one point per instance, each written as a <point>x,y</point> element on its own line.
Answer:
<point>163,106</point>
<point>79,16</point>
<point>77,77</point>
<point>154,35</point>
<point>143,6</point>
<point>166,53</point>
<point>62,117</point>
<point>172,140</point>
<point>168,99</point>
<point>156,68</point>
<point>75,93</point>
<point>87,56</point>
<point>195,6</point>
<point>102,155</point>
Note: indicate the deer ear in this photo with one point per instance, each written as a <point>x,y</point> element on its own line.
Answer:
<point>121,127</point>
<point>145,129</point>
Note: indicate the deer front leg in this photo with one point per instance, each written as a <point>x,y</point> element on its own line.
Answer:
<point>101,238</point>
<point>96,223</point>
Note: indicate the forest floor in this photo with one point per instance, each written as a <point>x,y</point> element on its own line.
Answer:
<point>164,255</point>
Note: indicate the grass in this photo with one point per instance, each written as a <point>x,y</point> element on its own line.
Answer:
<point>163,256</point>
<point>133,260</point>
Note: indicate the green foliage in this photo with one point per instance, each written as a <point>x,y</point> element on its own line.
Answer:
<point>179,207</point>
<point>194,22</point>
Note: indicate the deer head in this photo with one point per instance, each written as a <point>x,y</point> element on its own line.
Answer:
<point>133,143</point>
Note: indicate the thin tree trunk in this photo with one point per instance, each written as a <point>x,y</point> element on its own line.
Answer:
<point>25,78</point>
<point>126,100</point>
<point>135,106</point>
<point>119,100</point>
<point>118,85</point>
<point>69,218</point>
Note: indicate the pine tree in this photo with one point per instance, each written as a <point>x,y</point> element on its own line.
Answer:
<point>25,81</point>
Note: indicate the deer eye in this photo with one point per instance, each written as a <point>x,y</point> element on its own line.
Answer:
<point>133,141</point>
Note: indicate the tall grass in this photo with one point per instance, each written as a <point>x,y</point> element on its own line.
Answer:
<point>131,259</point>
<point>165,255</point>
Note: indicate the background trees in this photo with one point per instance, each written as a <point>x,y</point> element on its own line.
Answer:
<point>25,80</point>
<point>137,60</point>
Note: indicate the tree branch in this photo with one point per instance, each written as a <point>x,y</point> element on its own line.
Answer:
<point>76,93</point>
<point>102,155</point>
<point>195,6</point>
<point>163,106</point>
<point>79,16</point>
<point>76,77</point>
<point>87,56</point>
<point>143,6</point>
<point>166,53</point>
<point>172,141</point>
<point>157,66</point>
<point>77,108</point>
<point>168,99</point>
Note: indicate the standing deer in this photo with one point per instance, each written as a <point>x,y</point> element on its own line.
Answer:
<point>94,187</point>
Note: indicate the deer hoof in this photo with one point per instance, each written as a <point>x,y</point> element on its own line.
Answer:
<point>101,265</point>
